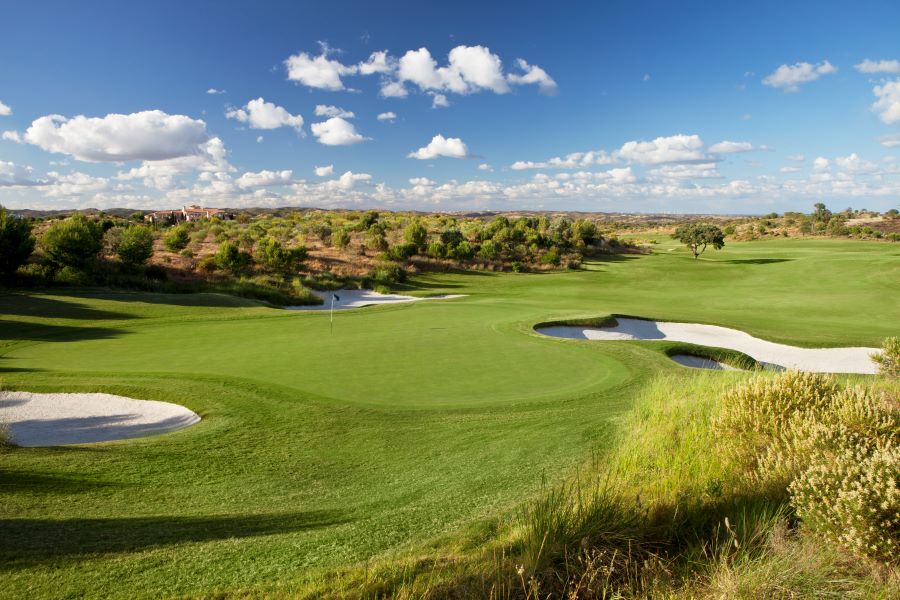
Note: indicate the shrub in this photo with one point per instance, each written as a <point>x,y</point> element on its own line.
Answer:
<point>416,233</point>
<point>74,243</point>
<point>436,250</point>
<point>376,241</point>
<point>889,358</point>
<point>230,258</point>
<point>176,239</point>
<point>836,452</point>
<point>134,246</point>
<point>489,250</point>
<point>402,252</point>
<point>463,251</point>
<point>340,238</point>
<point>451,237</point>
<point>275,257</point>
<point>388,272</point>
<point>16,243</point>
<point>550,257</point>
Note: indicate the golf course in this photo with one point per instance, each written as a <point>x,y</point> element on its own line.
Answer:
<point>327,446</point>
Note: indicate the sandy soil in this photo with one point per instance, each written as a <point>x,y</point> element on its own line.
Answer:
<point>818,360</point>
<point>60,419</point>
<point>360,298</point>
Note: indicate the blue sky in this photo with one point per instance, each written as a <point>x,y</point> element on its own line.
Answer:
<point>645,106</point>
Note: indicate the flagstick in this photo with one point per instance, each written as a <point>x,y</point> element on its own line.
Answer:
<point>331,317</point>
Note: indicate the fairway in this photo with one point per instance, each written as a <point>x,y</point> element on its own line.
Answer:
<point>406,423</point>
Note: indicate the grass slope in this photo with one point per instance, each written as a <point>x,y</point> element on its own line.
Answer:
<point>319,450</point>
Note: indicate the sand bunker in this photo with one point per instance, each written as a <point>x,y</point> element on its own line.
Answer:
<point>817,360</point>
<point>60,419</point>
<point>360,298</point>
<point>700,362</point>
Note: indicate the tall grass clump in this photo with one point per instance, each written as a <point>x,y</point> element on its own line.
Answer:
<point>834,451</point>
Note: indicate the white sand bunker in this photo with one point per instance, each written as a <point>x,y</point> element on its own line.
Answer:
<point>360,298</point>
<point>60,419</point>
<point>817,360</point>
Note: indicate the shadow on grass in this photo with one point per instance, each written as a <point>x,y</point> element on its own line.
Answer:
<point>84,430</point>
<point>14,482</point>
<point>26,542</point>
<point>756,261</point>
<point>32,305</point>
<point>16,330</point>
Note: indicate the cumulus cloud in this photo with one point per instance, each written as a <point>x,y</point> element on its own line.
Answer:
<point>147,135</point>
<point>486,167</point>
<point>881,66</point>
<point>574,160</point>
<point>791,77</point>
<point>5,110</point>
<point>378,62</point>
<point>336,132</point>
<point>387,116</point>
<point>888,104</point>
<point>686,171</point>
<point>441,146</point>
<point>259,114</point>
<point>671,149</point>
<point>326,110</point>
<point>210,157</point>
<point>12,136</point>
<point>346,181</point>
<point>214,91</point>
<point>393,89</point>
<point>439,101</point>
<point>729,147</point>
<point>264,178</point>
<point>319,72</point>
<point>532,74</point>
<point>324,171</point>
<point>12,174</point>
<point>74,184</point>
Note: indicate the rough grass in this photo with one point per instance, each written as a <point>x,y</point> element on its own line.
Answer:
<point>399,454</point>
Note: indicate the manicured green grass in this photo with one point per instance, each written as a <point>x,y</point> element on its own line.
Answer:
<point>319,449</point>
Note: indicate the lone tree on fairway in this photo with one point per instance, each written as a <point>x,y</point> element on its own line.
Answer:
<point>697,236</point>
<point>16,243</point>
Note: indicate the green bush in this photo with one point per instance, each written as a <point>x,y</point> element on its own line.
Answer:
<point>387,273</point>
<point>550,257</point>
<point>135,245</point>
<point>463,251</point>
<point>402,252</point>
<point>340,238</point>
<point>416,234</point>
<point>436,250</point>
<point>16,243</point>
<point>275,257</point>
<point>230,258</point>
<point>74,243</point>
<point>889,358</point>
<point>177,238</point>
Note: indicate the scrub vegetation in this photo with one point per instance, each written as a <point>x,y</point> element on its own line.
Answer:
<point>446,450</point>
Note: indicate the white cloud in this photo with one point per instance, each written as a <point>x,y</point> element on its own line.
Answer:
<point>486,167</point>
<point>790,77</point>
<point>336,132</point>
<point>387,116</point>
<point>259,139</point>
<point>148,135</point>
<point>796,157</point>
<point>379,62</point>
<point>881,66</point>
<point>729,147</point>
<point>439,101</point>
<point>74,184</point>
<point>441,146</point>
<point>12,136</point>
<point>420,181</point>
<point>326,110</point>
<point>12,174</point>
<point>821,164</point>
<point>532,74</point>
<point>890,140</point>
<point>855,164</point>
<point>214,91</point>
<point>211,157</point>
<point>264,179</point>
<point>888,104</point>
<point>324,171</point>
<point>671,149</point>
<point>259,114</point>
<point>686,171</point>
<point>789,169</point>
<point>318,72</point>
<point>393,89</point>
<point>646,77</point>
<point>574,160</point>
<point>346,181</point>
<point>5,110</point>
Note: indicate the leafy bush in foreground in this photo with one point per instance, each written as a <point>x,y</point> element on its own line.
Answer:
<point>889,358</point>
<point>74,243</point>
<point>176,239</point>
<point>835,451</point>
<point>135,245</point>
<point>16,243</point>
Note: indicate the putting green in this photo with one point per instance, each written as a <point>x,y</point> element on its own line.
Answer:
<point>320,449</point>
